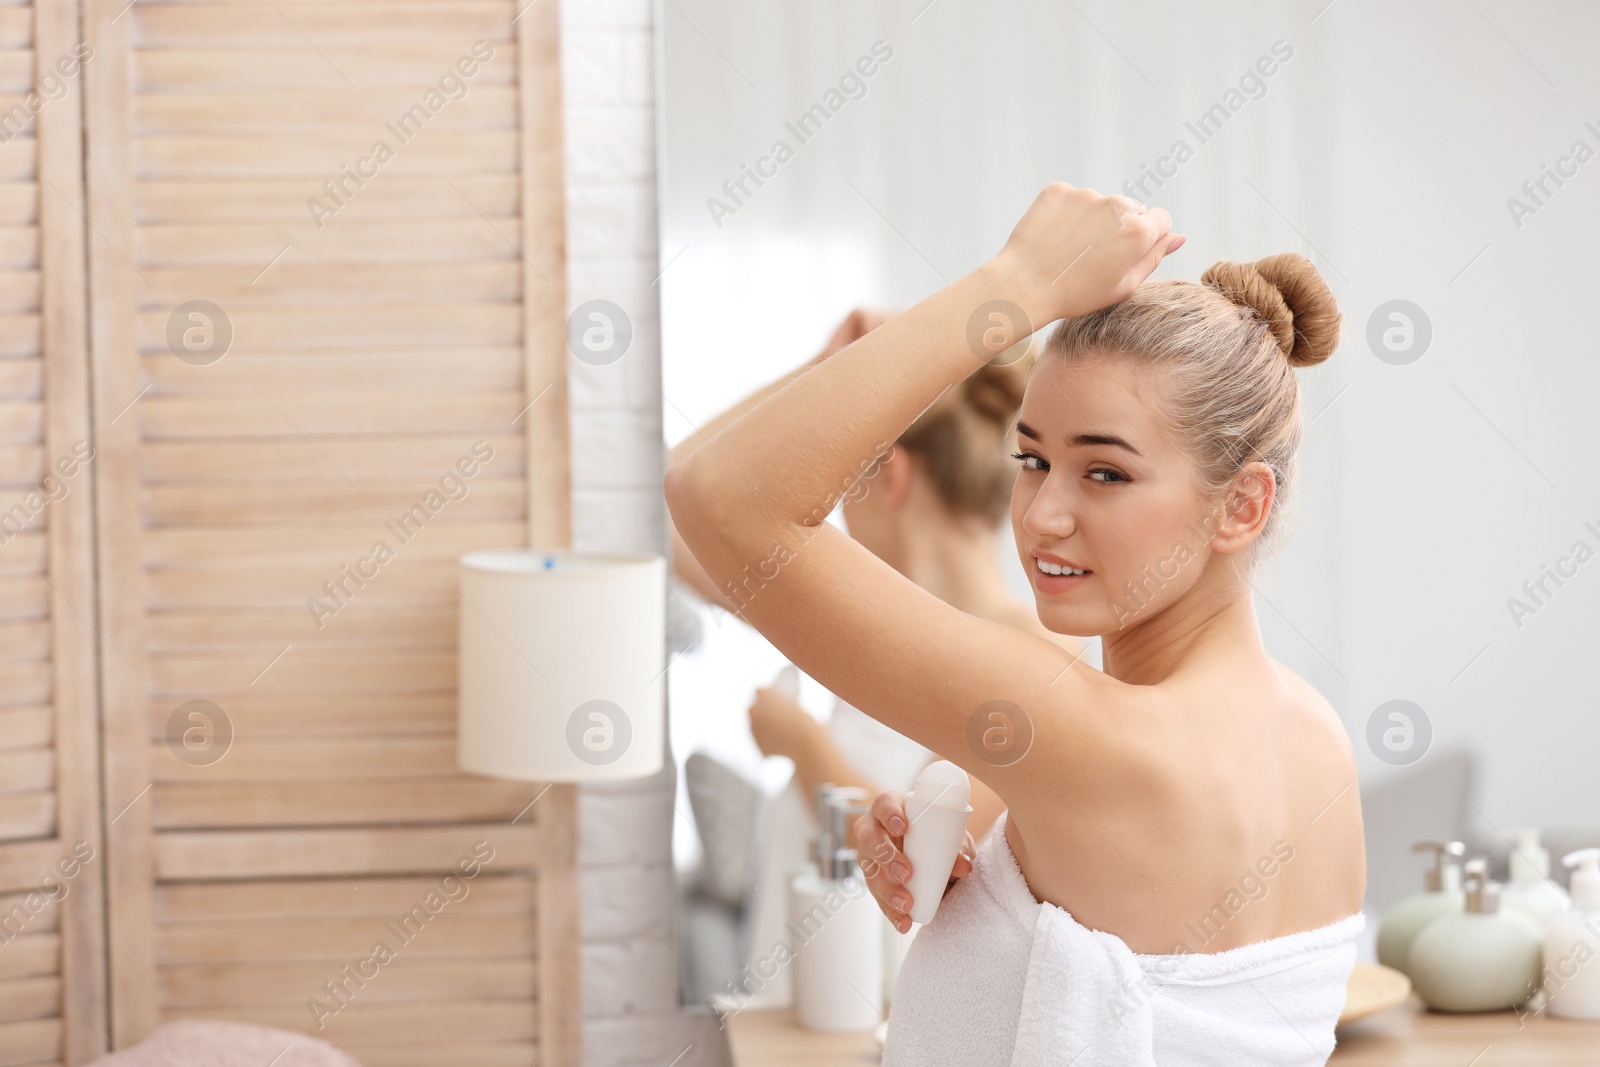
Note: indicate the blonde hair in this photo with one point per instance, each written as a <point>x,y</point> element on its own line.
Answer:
<point>961,438</point>
<point>1226,350</point>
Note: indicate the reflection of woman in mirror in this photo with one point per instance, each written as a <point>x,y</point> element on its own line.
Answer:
<point>931,508</point>
<point>1179,871</point>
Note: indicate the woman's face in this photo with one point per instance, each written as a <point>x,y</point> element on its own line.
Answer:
<point>1102,488</point>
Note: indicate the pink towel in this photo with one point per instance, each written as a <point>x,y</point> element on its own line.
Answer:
<point>203,1043</point>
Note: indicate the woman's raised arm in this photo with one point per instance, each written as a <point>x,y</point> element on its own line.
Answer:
<point>751,503</point>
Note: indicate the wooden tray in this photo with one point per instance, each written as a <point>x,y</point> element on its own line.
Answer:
<point>1373,988</point>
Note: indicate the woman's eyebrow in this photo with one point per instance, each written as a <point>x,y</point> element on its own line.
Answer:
<point>1082,439</point>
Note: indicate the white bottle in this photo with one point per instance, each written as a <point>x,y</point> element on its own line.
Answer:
<point>1572,944</point>
<point>1442,895</point>
<point>1530,890</point>
<point>936,820</point>
<point>1479,959</point>
<point>835,928</point>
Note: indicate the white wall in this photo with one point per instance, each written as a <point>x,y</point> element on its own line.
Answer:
<point>1385,149</point>
<point>630,945</point>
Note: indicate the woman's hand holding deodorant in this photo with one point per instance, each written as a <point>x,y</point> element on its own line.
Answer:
<point>926,831</point>
<point>778,723</point>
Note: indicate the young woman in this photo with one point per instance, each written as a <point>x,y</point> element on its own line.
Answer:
<point>931,508</point>
<point>1179,872</point>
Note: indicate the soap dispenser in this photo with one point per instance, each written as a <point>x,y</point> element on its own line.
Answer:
<point>1572,944</point>
<point>835,930</point>
<point>1483,959</point>
<point>1441,896</point>
<point>1530,890</point>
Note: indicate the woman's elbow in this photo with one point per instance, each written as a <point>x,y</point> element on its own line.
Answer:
<point>683,490</point>
<point>709,511</point>
<point>690,496</point>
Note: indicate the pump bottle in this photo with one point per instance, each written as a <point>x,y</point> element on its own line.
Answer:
<point>1530,890</point>
<point>1572,944</point>
<point>1441,896</point>
<point>1483,959</point>
<point>835,929</point>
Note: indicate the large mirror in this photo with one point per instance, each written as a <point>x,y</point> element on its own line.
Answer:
<point>1435,161</point>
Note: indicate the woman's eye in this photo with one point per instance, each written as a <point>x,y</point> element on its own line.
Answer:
<point>1031,462</point>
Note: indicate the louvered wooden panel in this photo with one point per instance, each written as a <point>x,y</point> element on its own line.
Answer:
<point>376,341</point>
<point>52,972</point>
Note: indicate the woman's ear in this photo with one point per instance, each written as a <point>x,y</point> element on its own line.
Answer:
<point>893,479</point>
<point>1245,508</point>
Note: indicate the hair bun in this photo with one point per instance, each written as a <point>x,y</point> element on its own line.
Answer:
<point>994,391</point>
<point>1290,295</point>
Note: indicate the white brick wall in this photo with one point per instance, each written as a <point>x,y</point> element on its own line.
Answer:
<point>630,943</point>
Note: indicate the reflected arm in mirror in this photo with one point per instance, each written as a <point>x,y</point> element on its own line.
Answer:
<point>685,567</point>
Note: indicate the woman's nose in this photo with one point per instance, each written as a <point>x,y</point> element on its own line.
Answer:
<point>1049,515</point>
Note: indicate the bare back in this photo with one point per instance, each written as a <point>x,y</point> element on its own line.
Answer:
<point>1236,821</point>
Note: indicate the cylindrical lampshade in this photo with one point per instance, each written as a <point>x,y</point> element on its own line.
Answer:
<point>562,665</point>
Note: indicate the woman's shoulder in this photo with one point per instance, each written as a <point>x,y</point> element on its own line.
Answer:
<point>1306,699</point>
<point>1260,686</point>
<point>1228,717</point>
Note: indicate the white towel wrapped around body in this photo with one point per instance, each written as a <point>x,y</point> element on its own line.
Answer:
<point>1000,979</point>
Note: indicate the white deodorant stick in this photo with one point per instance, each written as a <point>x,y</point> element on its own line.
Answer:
<point>936,814</point>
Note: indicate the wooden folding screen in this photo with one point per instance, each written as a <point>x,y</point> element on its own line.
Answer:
<point>328,356</point>
<point>52,968</point>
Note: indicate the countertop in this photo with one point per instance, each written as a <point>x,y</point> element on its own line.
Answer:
<point>1407,1036</point>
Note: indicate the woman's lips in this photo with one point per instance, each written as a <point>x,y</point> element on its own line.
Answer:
<point>1058,583</point>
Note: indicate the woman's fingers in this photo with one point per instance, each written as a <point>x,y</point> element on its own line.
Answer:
<point>963,864</point>
<point>880,863</point>
<point>1160,219</point>
<point>1128,204</point>
<point>879,849</point>
<point>889,808</point>
<point>879,836</point>
<point>779,725</point>
<point>1148,230</point>
<point>1163,243</point>
<point>1075,251</point>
